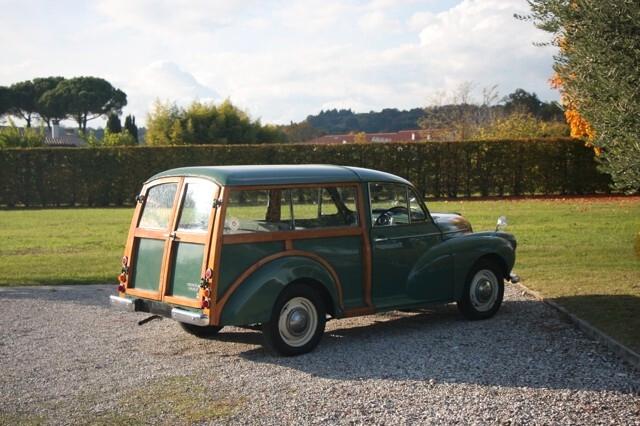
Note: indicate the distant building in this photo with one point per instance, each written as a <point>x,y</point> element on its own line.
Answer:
<point>418,135</point>
<point>62,137</point>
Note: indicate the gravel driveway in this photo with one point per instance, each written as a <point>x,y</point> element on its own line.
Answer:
<point>66,358</point>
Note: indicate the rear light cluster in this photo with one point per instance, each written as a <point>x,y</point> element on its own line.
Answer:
<point>124,275</point>
<point>205,281</point>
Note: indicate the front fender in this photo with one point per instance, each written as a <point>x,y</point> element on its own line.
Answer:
<point>469,248</point>
<point>253,300</point>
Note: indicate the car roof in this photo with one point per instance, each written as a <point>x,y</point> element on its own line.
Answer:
<point>281,174</point>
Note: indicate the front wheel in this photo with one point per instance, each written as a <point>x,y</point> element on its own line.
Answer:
<point>297,321</point>
<point>483,292</point>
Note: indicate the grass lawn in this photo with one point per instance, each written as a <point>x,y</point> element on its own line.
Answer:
<point>576,251</point>
<point>579,252</point>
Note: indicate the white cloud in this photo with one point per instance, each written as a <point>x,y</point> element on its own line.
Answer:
<point>279,60</point>
<point>165,81</point>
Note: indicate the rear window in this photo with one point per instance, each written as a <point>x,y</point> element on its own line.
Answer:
<point>274,210</point>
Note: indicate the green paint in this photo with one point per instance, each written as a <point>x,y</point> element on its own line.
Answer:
<point>344,254</point>
<point>187,269</point>
<point>148,261</point>
<point>281,174</point>
<point>236,258</point>
<point>253,301</point>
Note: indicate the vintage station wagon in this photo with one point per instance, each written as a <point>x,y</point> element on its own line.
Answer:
<point>288,247</point>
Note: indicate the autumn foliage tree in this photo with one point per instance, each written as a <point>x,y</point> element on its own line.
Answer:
<point>597,74</point>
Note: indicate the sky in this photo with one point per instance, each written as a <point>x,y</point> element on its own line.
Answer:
<point>279,60</point>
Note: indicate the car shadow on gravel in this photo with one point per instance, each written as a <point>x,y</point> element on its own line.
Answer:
<point>524,345</point>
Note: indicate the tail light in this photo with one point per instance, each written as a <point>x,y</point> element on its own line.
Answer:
<point>121,288</point>
<point>122,278</point>
<point>204,304</point>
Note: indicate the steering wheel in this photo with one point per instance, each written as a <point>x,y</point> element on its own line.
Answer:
<point>386,217</point>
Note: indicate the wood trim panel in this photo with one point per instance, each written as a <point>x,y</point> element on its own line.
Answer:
<point>288,244</point>
<point>158,234</point>
<point>366,249</point>
<point>182,301</point>
<point>256,237</point>
<point>216,249</point>
<point>219,306</point>
<point>153,295</point>
<point>168,245</point>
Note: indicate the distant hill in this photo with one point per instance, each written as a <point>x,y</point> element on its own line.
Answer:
<point>335,121</point>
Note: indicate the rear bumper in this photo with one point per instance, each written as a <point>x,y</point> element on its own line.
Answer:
<point>122,304</point>
<point>158,308</point>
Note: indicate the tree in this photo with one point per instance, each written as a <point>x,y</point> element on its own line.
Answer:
<point>300,132</point>
<point>5,100</point>
<point>88,98</point>
<point>23,100</point>
<point>522,125</point>
<point>130,126</point>
<point>206,123</point>
<point>14,137</point>
<point>113,123</point>
<point>160,122</point>
<point>598,70</point>
<point>118,139</point>
<point>48,108</point>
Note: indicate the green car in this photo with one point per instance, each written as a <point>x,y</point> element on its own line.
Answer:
<point>288,247</point>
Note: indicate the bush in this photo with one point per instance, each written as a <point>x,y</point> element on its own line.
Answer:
<point>14,137</point>
<point>113,175</point>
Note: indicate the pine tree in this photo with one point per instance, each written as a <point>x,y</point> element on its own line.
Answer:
<point>113,123</point>
<point>130,126</point>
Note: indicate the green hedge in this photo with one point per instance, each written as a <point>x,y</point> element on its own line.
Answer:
<point>112,176</point>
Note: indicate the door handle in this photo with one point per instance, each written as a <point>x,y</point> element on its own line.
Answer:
<point>380,239</point>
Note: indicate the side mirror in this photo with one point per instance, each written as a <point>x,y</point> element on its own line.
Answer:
<point>501,224</point>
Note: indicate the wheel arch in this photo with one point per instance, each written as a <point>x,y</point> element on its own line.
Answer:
<point>250,300</point>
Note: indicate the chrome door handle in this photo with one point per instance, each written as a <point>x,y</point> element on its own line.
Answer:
<point>381,239</point>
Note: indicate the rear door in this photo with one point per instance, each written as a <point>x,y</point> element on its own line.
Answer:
<point>171,240</point>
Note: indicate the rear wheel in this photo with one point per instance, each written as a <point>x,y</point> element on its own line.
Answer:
<point>196,330</point>
<point>483,291</point>
<point>297,321</point>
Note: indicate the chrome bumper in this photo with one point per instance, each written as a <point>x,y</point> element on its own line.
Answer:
<point>130,305</point>
<point>189,317</point>
<point>122,304</point>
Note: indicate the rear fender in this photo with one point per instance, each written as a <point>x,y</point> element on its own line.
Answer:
<point>253,300</point>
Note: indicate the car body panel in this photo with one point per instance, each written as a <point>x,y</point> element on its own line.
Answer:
<point>358,267</point>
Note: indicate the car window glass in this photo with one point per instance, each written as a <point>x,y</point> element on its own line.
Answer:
<point>418,214</point>
<point>388,204</point>
<point>158,205</point>
<point>324,207</point>
<point>196,207</point>
<point>258,211</point>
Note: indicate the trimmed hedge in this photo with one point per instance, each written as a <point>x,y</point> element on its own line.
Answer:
<point>114,175</point>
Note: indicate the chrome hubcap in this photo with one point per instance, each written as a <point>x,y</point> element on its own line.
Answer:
<point>298,321</point>
<point>484,290</point>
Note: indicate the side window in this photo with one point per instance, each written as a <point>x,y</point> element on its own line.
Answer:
<point>389,204</point>
<point>258,211</point>
<point>418,213</point>
<point>158,206</point>
<point>324,207</point>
